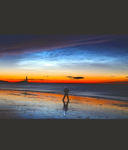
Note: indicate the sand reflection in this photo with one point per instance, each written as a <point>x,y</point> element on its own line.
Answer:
<point>39,105</point>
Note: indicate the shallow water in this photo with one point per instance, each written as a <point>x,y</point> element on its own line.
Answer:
<point>38,105</point>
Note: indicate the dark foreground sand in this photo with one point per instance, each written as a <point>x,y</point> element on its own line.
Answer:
<point>37,105</point>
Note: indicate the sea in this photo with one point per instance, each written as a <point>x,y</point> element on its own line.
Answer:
<point>106,91</point>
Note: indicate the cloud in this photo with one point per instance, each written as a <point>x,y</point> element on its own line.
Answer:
<point>112,76</point>
<point>35,79</point>
<point>69,76</point>
<point>126,76</point>
<point>78,77</point>
<point>43,43</point>
<point>121,82</point>
<point>75,77</point>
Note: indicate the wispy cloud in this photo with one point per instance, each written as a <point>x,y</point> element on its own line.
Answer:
<point>121,82</point>
<point>36,79</point>
<point>42,43</point>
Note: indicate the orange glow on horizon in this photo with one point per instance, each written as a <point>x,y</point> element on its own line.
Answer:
<point>63,79</point>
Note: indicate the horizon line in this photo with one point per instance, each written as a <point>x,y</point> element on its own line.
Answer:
<point>68,82</point>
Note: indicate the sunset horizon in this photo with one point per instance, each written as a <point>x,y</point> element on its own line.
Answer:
<point>64,58</point>
<point>82,81</point>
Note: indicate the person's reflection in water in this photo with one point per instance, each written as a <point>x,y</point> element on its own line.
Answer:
<point>65,107</point>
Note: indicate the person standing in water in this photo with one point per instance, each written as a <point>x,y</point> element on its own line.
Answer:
<point>66,91</point>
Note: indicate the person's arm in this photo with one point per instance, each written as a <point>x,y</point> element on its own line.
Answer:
<point>64,90</point>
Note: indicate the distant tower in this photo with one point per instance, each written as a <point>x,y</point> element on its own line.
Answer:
<point>26,79</point>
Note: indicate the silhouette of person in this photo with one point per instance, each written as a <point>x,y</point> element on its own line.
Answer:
<point>66,91</point>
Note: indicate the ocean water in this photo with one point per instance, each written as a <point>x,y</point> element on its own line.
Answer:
<point>108,91</point>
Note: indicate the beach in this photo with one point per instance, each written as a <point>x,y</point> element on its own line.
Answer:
<point>23,104</point>
<point>36,69</point>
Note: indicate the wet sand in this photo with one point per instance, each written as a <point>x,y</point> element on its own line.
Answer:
<point>37,105</point>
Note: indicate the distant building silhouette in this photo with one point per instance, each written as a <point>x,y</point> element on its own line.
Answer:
<point>25,81</point>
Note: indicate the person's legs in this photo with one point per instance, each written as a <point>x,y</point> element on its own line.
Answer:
<point>68,98</point>
<point>64,97</point>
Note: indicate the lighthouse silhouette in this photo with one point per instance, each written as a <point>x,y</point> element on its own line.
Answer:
<point>26,79</point>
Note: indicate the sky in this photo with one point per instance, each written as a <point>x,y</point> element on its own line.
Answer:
<point>64,58</point>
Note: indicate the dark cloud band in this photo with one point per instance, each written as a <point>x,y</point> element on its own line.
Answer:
<point>71,77</point>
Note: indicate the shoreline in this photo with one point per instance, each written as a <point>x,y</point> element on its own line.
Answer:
<point>73,94</point>
<point>22,104</point>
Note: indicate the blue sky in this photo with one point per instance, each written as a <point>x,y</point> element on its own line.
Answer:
<point>65,55</point>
